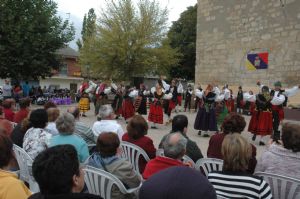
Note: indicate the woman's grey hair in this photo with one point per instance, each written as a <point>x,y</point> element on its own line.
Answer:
<point>65,124</point>
<point>174,145</point>
<point>105,111</point>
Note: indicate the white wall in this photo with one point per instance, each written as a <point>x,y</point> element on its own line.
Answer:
<point>63,83</point>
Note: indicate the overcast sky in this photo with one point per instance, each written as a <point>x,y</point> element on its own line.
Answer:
<point>75,9</point>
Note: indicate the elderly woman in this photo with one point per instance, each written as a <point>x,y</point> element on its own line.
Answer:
<point>136,134</point>
<point>53,114</point>
<point>65,125</point>
<point>234,181</point>
<point>11,186</point>
<point>233,123</point>
<point>283,158</point>
<point>107,158</point>
<point>36,139</point>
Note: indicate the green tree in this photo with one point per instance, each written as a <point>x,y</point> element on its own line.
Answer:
<point>30,34</point>
<point>88,28</point>
<point>130,41</point>
<point>182,36</point>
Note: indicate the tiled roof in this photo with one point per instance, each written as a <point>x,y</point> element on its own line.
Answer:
<point>68,52</point>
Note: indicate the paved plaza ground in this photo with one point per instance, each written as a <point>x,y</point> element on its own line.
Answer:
<point>157,134</point>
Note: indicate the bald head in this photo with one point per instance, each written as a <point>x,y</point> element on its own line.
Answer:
<point>175,145</point>
<point>74,111</point>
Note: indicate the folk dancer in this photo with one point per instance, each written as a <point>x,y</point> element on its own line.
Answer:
<point>180,92</point>
<point>140,103</point>
<point>188,98</point>
<point>261,122</point>
<point>117,102</point>
<point>279,101</point>
<point>171,102</point>
<point>128,110</point>
<point>156,108</point>
<point>206,116</point>
<point>239,100</point>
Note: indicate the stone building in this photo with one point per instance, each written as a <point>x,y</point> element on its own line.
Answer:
<point>228,31</point>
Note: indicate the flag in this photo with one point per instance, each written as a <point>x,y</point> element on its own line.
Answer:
<point>257,61</point>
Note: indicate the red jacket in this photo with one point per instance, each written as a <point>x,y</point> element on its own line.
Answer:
<point>6,125</point>
<point>145,143</point>
<point>215,146</point>
<point>20,115</point>
<point>158,164</point>
<point>9,114</point>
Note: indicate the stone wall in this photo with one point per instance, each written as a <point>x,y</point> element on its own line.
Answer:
<point>229,29</point>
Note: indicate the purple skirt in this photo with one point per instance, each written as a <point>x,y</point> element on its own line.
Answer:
<point>206,121</point>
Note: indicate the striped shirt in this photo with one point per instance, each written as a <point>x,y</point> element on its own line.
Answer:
<point>85,133</point>
<point>238,185</point>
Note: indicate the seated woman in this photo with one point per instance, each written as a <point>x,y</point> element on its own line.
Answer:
<point>234,181</point>
<point>136,130</point>
<point>53,114</point>
<point>65,125</point>
<point>283,158</point>
<point>107,158</point>
<point>233,123</point>
<point>11,186</point>
<point>36,139</point>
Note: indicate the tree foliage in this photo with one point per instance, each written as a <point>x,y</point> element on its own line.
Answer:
<point>182,36</point>
<point>30,34</point>
<point>129,41</point>
<point>88,28</point>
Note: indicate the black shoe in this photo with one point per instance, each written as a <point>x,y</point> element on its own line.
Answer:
<point>254,137</point>
<point>261,143</point>
<point>83,115</point>
<point>153,127</point>
<point>205,135</point>
<point>199,132</point>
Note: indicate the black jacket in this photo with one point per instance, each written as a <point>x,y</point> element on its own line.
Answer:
<point>65,196</point>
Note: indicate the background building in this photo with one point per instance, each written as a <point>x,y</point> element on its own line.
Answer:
<point>241,42</point>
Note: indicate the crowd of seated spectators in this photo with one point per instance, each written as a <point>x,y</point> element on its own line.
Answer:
<point>57,156</point>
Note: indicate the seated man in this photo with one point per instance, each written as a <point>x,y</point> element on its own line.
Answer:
<point>82,130</point>
<point>107,123</point>
<point>58,175</point>
<point>174,149</point>
<point>180,124</point>
<point>106,158</point>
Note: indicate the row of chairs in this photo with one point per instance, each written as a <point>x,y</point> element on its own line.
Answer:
<point>101,182</point>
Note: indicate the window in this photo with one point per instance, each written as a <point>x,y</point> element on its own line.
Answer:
<point>63,69</point>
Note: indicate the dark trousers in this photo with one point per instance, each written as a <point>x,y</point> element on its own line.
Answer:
<point>187,103</point>
<point>276,122</point>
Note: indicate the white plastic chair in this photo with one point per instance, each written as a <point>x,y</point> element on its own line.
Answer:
<point>208,165</point>
<point>282,187</point>
<point>133,153</point>
<point>25,164</point>
<point>185,158</point>
<point>100,182</point>
<point>221,197</point>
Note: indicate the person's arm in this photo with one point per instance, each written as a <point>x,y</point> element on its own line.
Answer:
<point>292,91</point>
<point>120,132</point>
<point>84,152</point>
<point>127,175</point>
<point>193,151</point>
<point>150,149</point>
<point>265,190</point>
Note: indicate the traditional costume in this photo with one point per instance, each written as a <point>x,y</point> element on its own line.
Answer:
<point>173,101</point>
<point>206,116</point>
<point>84,104</point>
<point>140,103</point>
<point>101,96</point>
<point>239,100</point>
<point>279,101</point>
<point>156,111</point>
<point>117,102</point>
<point>179,95</point>
<point>128,110</point>
<point>261,122</point>
<point>188,98</point>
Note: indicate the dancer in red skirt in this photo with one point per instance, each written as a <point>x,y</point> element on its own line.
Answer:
<point>156,114</point>
<point>128,110</point>
<point>172,101</point>
<point>261,122</point>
